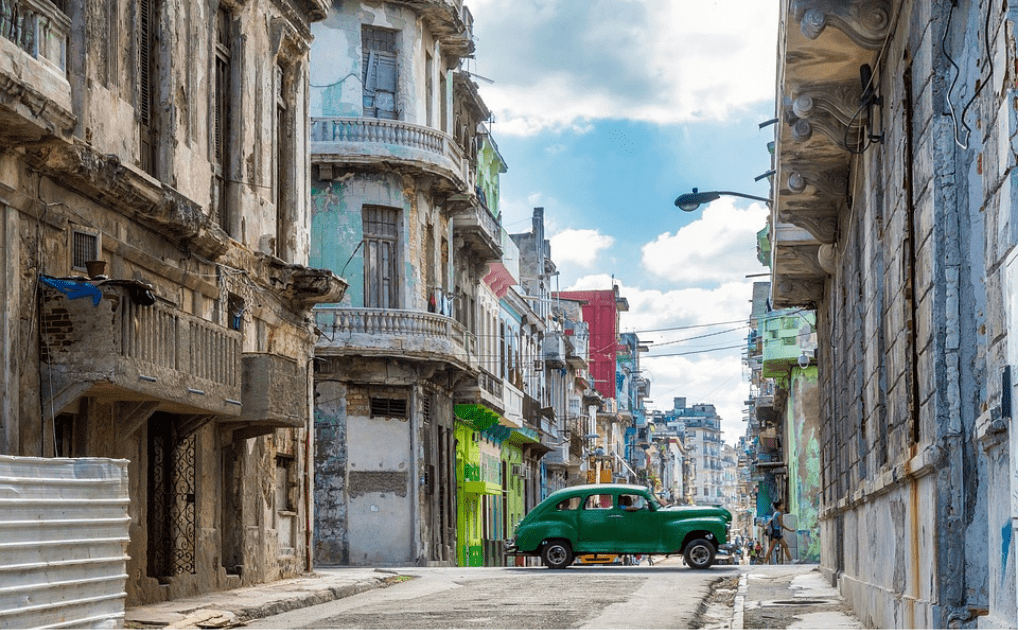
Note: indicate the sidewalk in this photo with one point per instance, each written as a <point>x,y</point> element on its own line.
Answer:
<point>779,596</point>
<point>226,609</point>
<point>789,596</point>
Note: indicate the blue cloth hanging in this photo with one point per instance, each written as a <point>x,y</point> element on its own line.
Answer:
<point>74,289</point>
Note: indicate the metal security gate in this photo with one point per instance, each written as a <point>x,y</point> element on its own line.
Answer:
<point>172,500</point>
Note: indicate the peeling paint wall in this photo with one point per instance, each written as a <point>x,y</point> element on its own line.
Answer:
<point>163,225</point>
<point>803,417</point>
<point>915,438</point>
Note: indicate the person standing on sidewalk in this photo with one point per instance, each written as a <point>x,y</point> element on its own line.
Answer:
<point>775,532</point>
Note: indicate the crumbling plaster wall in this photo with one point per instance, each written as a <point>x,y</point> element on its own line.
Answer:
<point>338,232</point>
<point>917,336</point>
<point>104,80</point>
<point>336,72</point>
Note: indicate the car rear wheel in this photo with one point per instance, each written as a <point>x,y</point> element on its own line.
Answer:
<point>556,554</point>
<point>699,554</point>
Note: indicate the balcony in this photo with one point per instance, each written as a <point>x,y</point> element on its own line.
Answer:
<point>35,99</point>
<point>576,358</point>
<point>822,46</point>
<point>513,399</point>
<point>275,393</point>
<point>486,390</point>
<point>476,226</point>
<point>105,342</point>
<point>411,335</point>
<point>554,350</point>
<point>389,144</point>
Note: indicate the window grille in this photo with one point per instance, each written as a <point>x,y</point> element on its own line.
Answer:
<point>84,247</point>
<point>388,408</point>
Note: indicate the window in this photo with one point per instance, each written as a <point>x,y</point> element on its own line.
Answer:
<point>222,115</point>
<point>598,502</point>
<point>284,521</point>
<point>632,502</point>
<point>85,246</point>
<point>380,247</point>
<point>146,32</point>
<point>571,503</point>
<point>285,158</point>
<point>429,83</point>
<point>388,408</point>
<point>380,77</point>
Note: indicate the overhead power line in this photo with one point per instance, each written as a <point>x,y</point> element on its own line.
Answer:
<point>679,354</point>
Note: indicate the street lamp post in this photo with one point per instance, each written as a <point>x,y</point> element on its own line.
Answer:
<point>689,202</point>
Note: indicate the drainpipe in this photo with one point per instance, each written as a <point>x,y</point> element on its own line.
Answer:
<point>308,476</point>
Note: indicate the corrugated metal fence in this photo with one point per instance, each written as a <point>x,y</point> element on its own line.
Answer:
<point>63,535</point>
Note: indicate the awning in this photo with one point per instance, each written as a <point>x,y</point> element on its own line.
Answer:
<point>499,279</point>
<point>481,417</point>
<point>481,487</point>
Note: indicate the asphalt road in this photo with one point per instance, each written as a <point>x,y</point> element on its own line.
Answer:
<point>666,595</point>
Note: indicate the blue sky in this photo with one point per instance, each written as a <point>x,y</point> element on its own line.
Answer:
<point>605,111</point>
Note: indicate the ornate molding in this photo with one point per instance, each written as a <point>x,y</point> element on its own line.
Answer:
<point>823,226</point>
<point>107,180</point>
<point>846,136</point>
<point>832,183</point>
<point>801,291</point>
<point>842,101</point>
<point>865,22</point>
<point>828,258</point>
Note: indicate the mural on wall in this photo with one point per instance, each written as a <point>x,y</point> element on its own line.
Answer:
<point>805,462</point>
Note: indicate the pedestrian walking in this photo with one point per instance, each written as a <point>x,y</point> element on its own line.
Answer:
<point>775,532</point>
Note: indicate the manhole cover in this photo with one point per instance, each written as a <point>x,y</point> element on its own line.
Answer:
<point>798,602</point>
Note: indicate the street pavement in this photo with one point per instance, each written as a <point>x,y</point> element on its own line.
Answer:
<point>785,596</point>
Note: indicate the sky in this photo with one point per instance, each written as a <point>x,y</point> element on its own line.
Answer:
<point>605,111</point>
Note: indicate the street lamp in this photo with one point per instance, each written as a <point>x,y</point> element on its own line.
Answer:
<point>691,201</point>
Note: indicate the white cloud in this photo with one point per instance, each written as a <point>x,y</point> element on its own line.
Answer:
<point>559,65</point>
<point>579,247</point>
<point>702,321</point>
<point>718,247</point>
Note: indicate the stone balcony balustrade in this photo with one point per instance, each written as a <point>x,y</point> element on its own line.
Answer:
<point>35,95</point>
<point>113,346</point>
<point>391,143</point>
<point>412,335</point>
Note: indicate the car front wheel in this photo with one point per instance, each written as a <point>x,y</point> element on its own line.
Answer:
<point>556,554</point>
<point>699,554</point>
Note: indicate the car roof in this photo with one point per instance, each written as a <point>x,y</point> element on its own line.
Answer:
<point>590,487</point>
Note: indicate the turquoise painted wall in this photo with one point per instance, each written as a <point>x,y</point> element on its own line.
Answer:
<point>804,461</point>
<point>337,226</point>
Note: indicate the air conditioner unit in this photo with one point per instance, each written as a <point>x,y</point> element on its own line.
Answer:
<point>516,470</point>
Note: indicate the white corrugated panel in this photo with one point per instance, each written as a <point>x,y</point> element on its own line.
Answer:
<point>63,535</point>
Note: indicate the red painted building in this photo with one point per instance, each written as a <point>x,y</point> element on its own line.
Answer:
<point>601,312</point>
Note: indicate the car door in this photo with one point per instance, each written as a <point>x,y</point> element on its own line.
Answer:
<point>640,525</point>
<point>600,524</point>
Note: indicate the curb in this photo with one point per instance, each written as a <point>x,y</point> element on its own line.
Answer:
<point>739,603</point>
<point>321,596</point>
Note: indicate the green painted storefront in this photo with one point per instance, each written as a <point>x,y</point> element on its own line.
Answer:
<point>490,497</point>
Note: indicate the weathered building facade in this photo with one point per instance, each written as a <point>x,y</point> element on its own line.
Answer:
<point>156,299</point>
<point>396,209</point>
<point>895,215</point>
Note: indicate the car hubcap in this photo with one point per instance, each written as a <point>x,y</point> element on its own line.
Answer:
<point>700,555</point>
<point>556,555</point>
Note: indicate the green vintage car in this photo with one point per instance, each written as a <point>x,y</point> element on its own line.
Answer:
<point>621,519</point>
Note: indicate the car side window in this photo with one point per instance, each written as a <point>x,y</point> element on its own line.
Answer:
<point>598,502</point>
<point>632,502</point>
<point>568,504</point>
